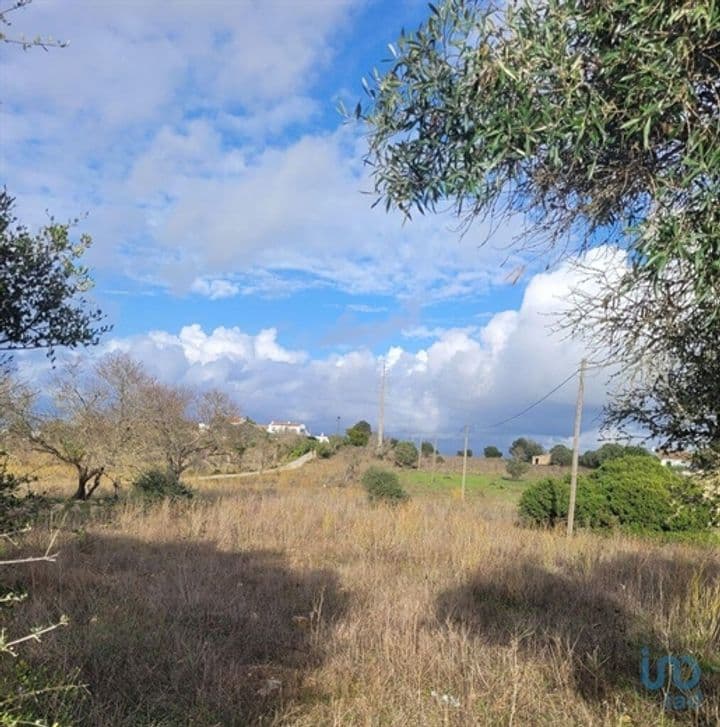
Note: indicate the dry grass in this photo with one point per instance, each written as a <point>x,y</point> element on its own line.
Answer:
<point>286,603</point>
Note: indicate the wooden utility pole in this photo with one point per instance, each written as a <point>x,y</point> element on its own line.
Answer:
<point>434,464</point>
<point>576,448</point>
<point>381,409</point>
<point>464,471</point>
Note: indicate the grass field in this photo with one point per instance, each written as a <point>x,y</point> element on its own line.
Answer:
<point>283,600</point>
<point>492,488</point>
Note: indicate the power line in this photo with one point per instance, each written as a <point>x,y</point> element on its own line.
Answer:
<point>534,404</point>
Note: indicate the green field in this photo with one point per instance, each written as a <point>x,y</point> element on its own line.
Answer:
<point>491,486</point>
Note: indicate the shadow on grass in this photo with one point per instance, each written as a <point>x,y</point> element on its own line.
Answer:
<point>598,617</point>
<point>182,633</point>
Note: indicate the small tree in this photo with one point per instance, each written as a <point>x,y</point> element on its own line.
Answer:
<point>561,455</point>
<point>358,434</point>
<point>42,286</point>
<point>492,452</point>
<point>405,454</point>
<point>460,453</point>
<point>172,434</point>
<point>427,449</point>
<point>516,468</point>
<point>76,431</point>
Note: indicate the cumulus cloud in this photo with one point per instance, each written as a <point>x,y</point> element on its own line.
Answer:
<point>476,375</point>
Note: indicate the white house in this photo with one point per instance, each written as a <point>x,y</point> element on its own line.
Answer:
<point>287,428</point>
<point>679,460</point>
<point>323,438</point>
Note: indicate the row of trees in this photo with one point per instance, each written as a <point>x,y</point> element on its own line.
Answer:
<point>111,419</point>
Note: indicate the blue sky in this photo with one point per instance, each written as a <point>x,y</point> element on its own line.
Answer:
<point>233,246</point>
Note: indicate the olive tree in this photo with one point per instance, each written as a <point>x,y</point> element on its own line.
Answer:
<point>43,287</point>
<point>596,122</point>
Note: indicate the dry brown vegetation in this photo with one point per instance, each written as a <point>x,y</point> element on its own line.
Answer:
<point>280,601</point>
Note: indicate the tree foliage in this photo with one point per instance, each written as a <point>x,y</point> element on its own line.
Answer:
<point>42,286</point>
<point>405,454</point>
<point>359,433</point>
<point>631,492</point>
<point>597,122</point>
<point>561,455</point>
<point>525,449</point>
<point>589,117</point>
<point>516,467</point>
<point>593,458</point>
<point>492,451</point>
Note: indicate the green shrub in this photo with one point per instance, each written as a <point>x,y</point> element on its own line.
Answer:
<point>544,502</point>
<point>304,446</point>
<point>324,450</point>
<point>158,484</point>
<point>633,493</point>
<point>405,454</point>
<point>491,451</point>
<point>516,468</point>
<point>383,486</point>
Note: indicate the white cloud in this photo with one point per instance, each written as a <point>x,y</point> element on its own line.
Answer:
<point>168,128</point>
<point>214,289</point>
<point>476,376</point>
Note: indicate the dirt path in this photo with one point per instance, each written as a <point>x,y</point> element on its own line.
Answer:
<point>294,465</point>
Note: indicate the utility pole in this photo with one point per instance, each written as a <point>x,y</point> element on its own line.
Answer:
<point>464,471</point>
<point>576,448</point>
<point>434,464</point>
<point>419,441</point>
<point>337,428</point>
<point>381,412</point>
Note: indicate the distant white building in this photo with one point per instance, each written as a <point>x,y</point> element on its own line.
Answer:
<point>679,460</point>
<point>322,438</point>
<point>287,428</point>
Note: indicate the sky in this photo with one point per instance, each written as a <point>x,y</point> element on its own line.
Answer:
<point>234,243</point>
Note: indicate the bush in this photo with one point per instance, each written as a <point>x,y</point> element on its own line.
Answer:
<point>460,453</point>
<point>516,468</point>
<point>427,449</point>
<point>160,485</point>
<point>303,447</point>
<point>383,486</point>
<point>405,454</point>
<point>324,450</point>
<point>632,493</point>
<point>492,452</point>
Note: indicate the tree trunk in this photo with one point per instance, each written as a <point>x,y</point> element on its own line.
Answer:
<point>83,478</point>
<point>96,482</point>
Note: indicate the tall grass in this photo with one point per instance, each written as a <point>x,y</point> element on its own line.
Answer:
<point>291,604</point>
